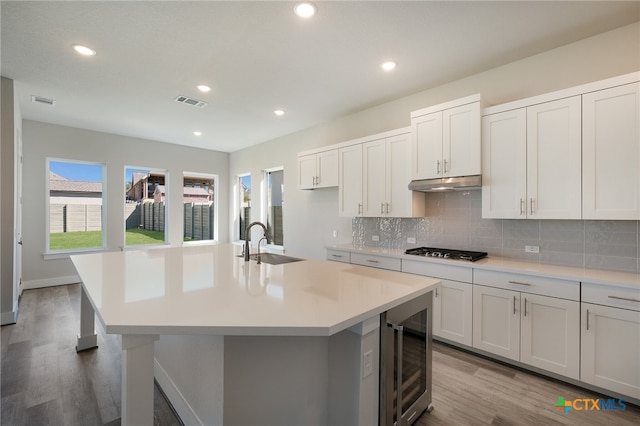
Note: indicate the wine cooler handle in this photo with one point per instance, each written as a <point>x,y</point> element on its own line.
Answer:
<point>400,330</point>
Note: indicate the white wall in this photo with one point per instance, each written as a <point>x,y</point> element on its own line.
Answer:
<point>311,216</point>
<point>42,140</point>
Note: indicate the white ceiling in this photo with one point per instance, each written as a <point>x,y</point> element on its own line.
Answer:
<point>258,56</point>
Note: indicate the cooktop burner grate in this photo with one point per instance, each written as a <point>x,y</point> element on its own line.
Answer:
<point>444,253</point>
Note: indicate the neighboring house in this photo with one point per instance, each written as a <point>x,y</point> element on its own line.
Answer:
<point>189,195</point>
<point>65,191</point>
<point>151,186</point>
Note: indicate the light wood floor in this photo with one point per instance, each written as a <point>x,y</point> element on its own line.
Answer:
<point>45,382</point>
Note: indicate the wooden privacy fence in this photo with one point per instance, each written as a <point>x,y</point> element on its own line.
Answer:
<point>198,218</point>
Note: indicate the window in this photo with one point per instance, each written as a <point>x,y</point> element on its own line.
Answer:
<point>198,199</point>
<point>274,180</point>
<point>244,205</point>
<point>145,209</point>
<point>75,216</point>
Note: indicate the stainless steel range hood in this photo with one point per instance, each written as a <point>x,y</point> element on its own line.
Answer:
<point>459,183</point>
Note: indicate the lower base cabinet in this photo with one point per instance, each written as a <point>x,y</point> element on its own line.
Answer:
<point>610,339</point>
<point>534,329</point>
<point>452,308</point>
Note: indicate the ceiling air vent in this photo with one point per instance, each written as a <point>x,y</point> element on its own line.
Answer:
<point>190,101</point>
<point>41,100</point>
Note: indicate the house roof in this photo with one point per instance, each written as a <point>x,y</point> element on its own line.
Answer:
<point>257,57</point>
<point>57,185</point>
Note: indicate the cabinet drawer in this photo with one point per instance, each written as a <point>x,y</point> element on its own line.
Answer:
<point>563,289</point>
<point>338,255</point>
<point>381,262</point>
<point>618,297</point>
<point>436,270</point>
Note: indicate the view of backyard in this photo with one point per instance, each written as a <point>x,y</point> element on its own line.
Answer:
<point>93,239</point>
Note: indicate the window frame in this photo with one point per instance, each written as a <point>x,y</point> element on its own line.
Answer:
<point>216,216</point>
<point>264,208</point>
<point>238,194</point>
<point>167,197</point>
<point>53,254</point>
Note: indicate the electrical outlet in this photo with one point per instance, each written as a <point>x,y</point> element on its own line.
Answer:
<point>335,233</point>
<point>411,240</point>
<point>367,364</point>
<point>532,249</point>
<point>375,238</point>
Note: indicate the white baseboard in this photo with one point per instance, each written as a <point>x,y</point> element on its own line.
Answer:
<point>7,318</point>
<point>177,400</point>
<point>50,282</point>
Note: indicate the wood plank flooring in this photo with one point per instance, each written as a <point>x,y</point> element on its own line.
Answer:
<point>45,382</point>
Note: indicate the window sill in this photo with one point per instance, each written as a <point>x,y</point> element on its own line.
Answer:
<point>66,254</point>
<point>200,243</point>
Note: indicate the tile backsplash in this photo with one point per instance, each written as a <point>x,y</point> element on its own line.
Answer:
<point>454,220</point>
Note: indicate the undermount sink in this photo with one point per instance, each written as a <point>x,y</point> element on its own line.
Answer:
<point>274,259</point>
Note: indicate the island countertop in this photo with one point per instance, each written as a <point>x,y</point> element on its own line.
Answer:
<point>210,290</point>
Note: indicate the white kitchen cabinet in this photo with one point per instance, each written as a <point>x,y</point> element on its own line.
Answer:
<point>319,170</point>
<point>452,299</point>
<point>611,153</point>
<point>452,312</point>
<point>532,162</point>
<point>610,336</point>
<point>446,139</point>
<point>529,319</point>
<point>496,321</point>
<point>376,183</point>
<point>350,181</point>
<point>381,262</point>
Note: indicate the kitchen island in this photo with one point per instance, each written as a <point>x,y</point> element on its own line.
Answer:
<point>235,342</point>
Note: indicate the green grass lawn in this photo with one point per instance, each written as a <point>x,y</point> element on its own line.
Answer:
<point>93,239</point>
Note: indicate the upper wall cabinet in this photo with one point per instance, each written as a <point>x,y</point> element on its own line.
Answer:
<point>571,154</point>
<point>374,178</point>
<point>318,170</point>
<point>532,162</point>
<point>445,139</point>
<point>611,153</point>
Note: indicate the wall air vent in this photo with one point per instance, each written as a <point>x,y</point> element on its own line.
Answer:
<point>41,100</point>
<point>190,101</point>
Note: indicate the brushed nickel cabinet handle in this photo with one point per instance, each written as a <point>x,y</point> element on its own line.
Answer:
<point>525,306</point>
<point>445,166</point>
<point>381,208</point>
<point>438,167</point>
<point>521,206</point>
<point>629,299</point>
<point>387,208</point>
<point>339,256</point>
<point>519,283</point>
<point>359,208</point>
<point>531,205</point>
<point>373,261</point>
<point>587,319</point>
<point>514,305</point>
<point>436,292</point>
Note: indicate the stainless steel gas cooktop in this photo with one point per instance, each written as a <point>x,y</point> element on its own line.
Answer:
<point>444,253</point>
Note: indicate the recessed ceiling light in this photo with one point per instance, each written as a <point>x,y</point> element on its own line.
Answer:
<point>204,88</point>
<point>197,133</point>
<point>305,9</point>
<point>278,112</point>
<point>388,66</point>
<point>84,50</point>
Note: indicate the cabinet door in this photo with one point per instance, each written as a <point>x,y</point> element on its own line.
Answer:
<point>426,146</point>
<point>307,171</point>
<point>327,169</point>
<point>548,334</point>
<point>452,308</point>
<point>504,170</point>
<point>375,178</point>
<point>350,181</point>
<point>461,141</point>
<point>611,153</point>
<point>610,352</point>
<point>496,321</point>
<point>554,160</point>
<point>401,202</point>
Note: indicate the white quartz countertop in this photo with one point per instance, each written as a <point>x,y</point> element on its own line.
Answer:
<point>210,290</point>
<point>495,263</point>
